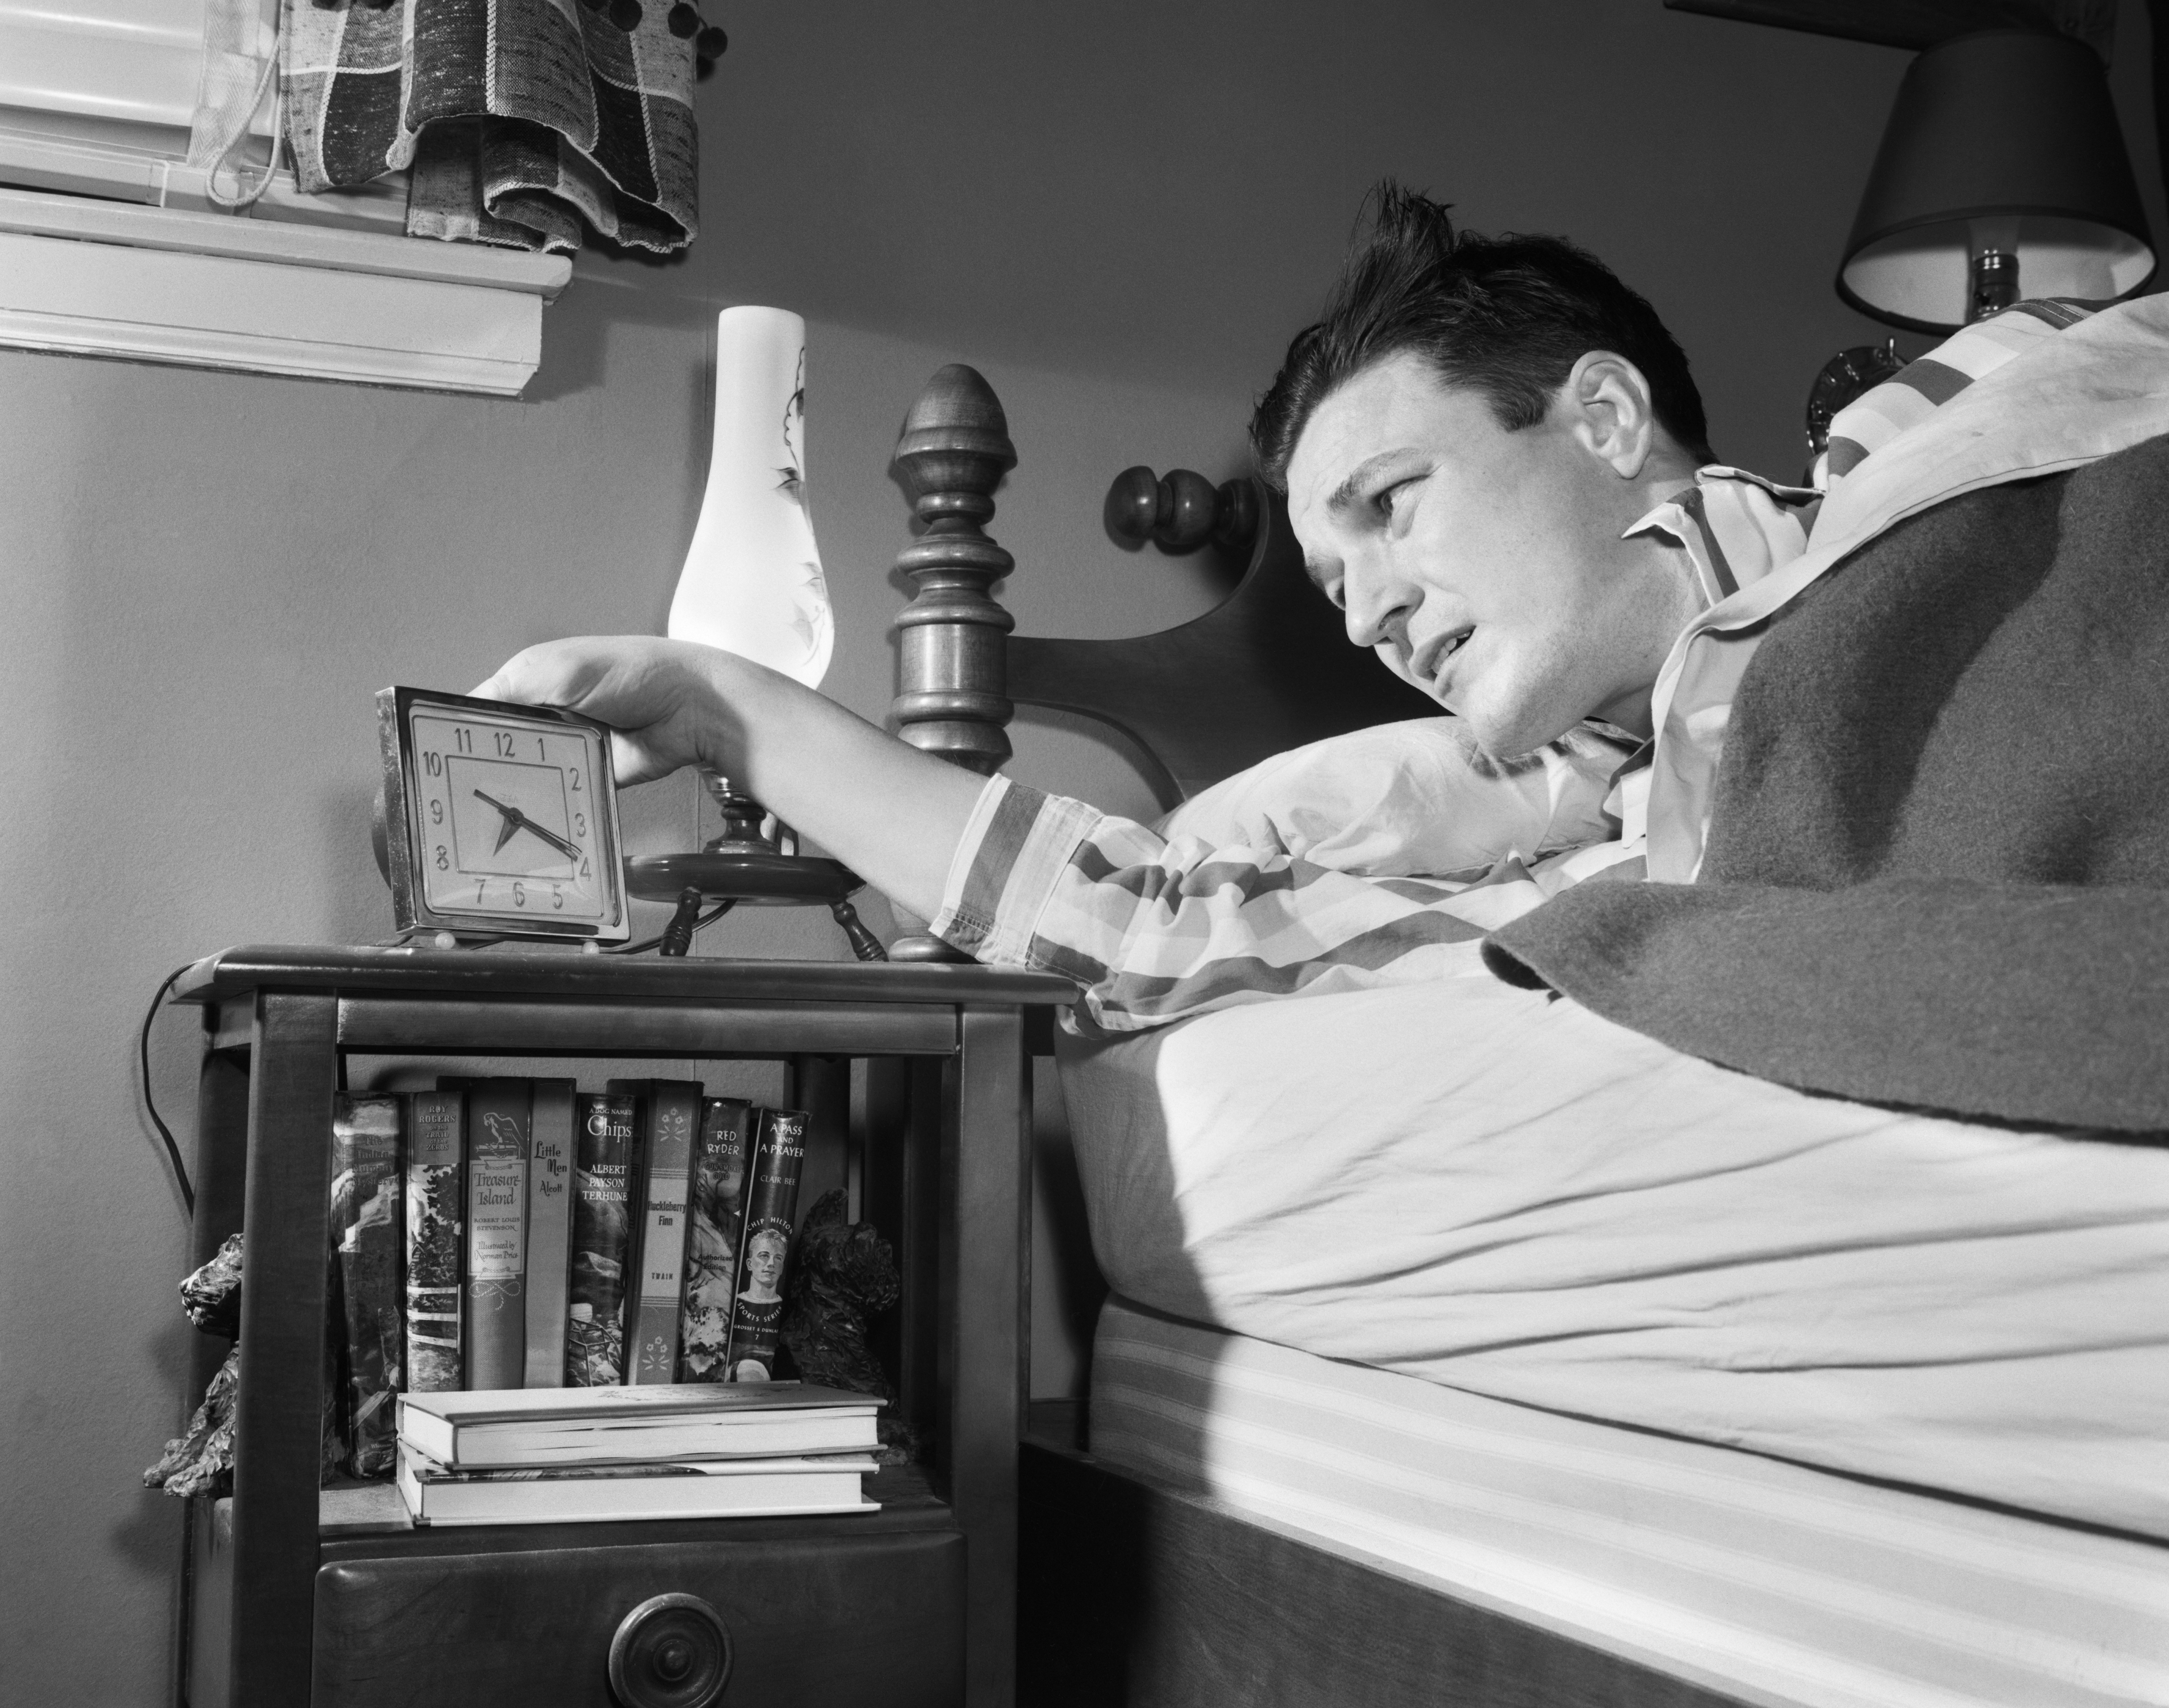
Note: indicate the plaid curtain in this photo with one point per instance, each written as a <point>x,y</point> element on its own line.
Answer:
<point>519,119</point>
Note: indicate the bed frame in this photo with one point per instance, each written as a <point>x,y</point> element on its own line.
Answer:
<point>1132,1594</point>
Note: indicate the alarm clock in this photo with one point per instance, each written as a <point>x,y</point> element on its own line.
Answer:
<point>498,820</point>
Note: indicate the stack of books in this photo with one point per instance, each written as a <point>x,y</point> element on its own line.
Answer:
<point>518,1234</point>
<point>603,1454</point>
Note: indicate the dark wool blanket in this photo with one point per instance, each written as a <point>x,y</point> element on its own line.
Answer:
<point>1938,873</point>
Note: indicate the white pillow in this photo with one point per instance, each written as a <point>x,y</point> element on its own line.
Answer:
<point>1413,799</point>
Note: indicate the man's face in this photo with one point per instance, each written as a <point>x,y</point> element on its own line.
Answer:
<point>1485,567</point>
<point>765,1262</point>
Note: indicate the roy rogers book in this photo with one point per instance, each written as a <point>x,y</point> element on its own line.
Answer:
<point>604,1426</point>
<point>717,1219</point>
<point>668,1122</point>
<point>498,1112</point>
<point>604,1179</point>
<point>368,1232</point>
<point>435,1212</point>
<point>435,1494</point>
<point>549,1230</point>
<point>779,1159</point>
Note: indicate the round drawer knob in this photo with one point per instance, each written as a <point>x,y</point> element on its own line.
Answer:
<point>670,1651</point>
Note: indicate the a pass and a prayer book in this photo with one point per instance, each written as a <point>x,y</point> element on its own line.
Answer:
<point>556,1426</point>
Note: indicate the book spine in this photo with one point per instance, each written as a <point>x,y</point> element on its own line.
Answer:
<point>779,1159</point>
<point>549,1230</point>
<point>497,1156</point>
<point>673,1113</point>
<point>717,1217</point>
<point>367,1229</point>
<point>602,1242</point>
<point>435,1203</point>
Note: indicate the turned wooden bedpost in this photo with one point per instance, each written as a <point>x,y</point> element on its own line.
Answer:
<point>953,687</point>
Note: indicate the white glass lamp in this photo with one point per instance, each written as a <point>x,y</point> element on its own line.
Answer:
<point>752,586</point>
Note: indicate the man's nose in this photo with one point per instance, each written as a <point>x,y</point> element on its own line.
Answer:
<point>1378,604</point>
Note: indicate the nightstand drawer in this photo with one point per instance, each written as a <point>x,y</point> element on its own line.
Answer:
<point>873,1620</point>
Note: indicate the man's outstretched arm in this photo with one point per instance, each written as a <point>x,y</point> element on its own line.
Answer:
<point>892,814</point>
<point>1151,931</point>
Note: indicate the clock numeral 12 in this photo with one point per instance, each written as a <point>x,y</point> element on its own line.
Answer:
<point>505,743</point>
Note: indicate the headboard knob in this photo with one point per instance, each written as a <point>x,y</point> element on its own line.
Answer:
<point>1182,511</point>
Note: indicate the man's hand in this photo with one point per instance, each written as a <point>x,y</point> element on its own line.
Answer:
<point>892,814</point>
<point>666,701</point>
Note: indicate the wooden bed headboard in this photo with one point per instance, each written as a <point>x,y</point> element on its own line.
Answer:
<point>1268,668</point>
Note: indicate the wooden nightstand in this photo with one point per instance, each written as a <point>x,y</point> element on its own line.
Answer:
<point>913,1605</point>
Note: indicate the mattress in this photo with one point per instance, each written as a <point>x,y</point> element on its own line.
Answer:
<point>1780,1585</point>
<point>1504,1194</point>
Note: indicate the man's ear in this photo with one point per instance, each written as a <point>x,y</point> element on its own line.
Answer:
<point>1610,412</point>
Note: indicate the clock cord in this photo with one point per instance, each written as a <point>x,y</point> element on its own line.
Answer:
<point>150,1104</point>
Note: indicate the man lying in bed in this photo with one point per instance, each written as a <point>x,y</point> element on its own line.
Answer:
<point>1896,861</point>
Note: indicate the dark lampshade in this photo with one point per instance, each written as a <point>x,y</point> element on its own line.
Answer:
<point>2001,143</point>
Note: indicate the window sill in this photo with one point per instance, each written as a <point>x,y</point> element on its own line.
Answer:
<point>104,278</point>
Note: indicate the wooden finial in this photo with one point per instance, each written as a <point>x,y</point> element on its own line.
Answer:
<point>952,695</point>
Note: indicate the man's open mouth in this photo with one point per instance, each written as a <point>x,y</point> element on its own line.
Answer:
<point>1445,655</point>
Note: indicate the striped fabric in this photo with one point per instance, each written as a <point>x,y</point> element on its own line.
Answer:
<point>1907,398</point>
<point>1152,929</point>
<point>1772,1582</point>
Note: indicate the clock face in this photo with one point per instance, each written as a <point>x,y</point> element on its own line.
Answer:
<point>506,816</point>
<point>510,819</point>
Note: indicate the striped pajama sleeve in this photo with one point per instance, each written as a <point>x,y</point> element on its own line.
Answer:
<point>1152,929</point>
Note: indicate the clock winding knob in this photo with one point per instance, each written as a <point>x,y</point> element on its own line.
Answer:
<point>670,1651</point>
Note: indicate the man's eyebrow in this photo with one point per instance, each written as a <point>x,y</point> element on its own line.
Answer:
<point>1343,495</point>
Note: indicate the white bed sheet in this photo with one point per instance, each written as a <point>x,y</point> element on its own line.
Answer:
<point>1768,1581</point>
<point>1496,1190</point>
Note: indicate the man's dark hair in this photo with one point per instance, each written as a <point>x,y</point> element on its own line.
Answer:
<point>1508,317</point>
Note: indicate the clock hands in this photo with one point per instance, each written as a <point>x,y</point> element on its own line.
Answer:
<point>516,821</point>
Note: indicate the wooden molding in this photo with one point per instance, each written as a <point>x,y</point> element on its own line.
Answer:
<point>1919,23</point>
<point>100,278</point>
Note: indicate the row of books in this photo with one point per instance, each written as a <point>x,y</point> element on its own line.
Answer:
<point>594,1454</point>
<point>499,1234</point>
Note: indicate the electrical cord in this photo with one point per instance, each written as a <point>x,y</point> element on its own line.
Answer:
<point>706,919</point>
<point>150,1104</point>
<point>165,984</point>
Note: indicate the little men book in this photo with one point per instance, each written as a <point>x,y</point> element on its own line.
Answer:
<point>434,1205</point>
<point>771,1212</point>
<point>368,1232</point>
<point>603,1179</point>
<point>671,1116</point>
<point>607,1426</point>
<point>718,1217</point>
<point>498,1112</point>
<point>549,1230</point>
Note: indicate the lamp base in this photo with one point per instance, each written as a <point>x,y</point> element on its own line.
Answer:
<point>744,868</point>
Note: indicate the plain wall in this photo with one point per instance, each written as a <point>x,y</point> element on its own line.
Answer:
<point>1119,213</point>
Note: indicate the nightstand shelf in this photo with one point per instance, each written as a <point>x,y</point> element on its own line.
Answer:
<point>873,1609</point>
